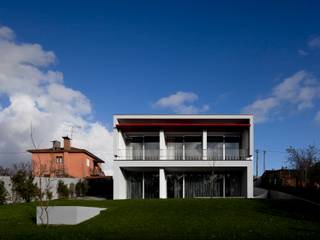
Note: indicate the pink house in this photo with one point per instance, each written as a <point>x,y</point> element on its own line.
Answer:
<point>66,161</point>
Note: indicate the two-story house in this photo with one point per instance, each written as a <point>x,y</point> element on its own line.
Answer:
<point>66,161</point>
<point>183,156</point>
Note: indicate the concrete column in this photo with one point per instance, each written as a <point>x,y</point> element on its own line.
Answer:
<point>143,188</point>
<point>121,146</point>
<point>251,137</point>
<point>162,184</point>
<point>250,165</point>
<point>115,142</point>
<point>224,149</point>
<point>119,184</point>
<point>183,187</point>
<point>204,145</point>
<point>162,145</point>
<point>249,181</point>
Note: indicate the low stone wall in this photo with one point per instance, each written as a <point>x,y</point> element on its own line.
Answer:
<point>51,182</point>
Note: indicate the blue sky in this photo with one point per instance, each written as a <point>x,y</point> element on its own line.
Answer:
<point>125,57</point>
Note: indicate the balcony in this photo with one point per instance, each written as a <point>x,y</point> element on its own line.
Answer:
<point>183,154</point>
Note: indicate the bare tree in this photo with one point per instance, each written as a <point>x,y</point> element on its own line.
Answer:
<point>5,171</point>
<point>302,160</point>
<point>45,172</point>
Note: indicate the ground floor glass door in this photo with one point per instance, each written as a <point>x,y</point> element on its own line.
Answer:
<point>174,185</point>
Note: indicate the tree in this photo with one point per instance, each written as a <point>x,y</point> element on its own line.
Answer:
<point>62,190</point>
<point>44,193</point>
<point>302,160</point>
<point>3,193</point>
<point>5,171</point>
<point>22,183</point>
<point>82,188</point>
<point>72,190</point>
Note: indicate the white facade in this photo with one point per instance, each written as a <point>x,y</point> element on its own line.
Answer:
<point>183,156</point>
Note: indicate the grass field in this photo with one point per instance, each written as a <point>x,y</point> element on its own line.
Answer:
<point>173,219</point>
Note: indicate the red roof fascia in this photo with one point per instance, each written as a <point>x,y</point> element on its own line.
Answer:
<point>123,125</point>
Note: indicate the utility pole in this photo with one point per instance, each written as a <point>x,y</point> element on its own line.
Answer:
<point>257,162</point>
<point>264,160</point>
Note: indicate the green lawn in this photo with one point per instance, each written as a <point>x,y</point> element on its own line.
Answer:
<point>173,219</point>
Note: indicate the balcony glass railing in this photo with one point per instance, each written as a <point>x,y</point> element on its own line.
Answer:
<point>227,154</point>
<point>180,154</point>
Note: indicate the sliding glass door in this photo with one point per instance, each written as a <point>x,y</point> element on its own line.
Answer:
<point>184,148</point>
<point>142,185</point>
<point>134,185</point>
<point>143,148</point>
<point>215,148</point>
<point>175,185</point>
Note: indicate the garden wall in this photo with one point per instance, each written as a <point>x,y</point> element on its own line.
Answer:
<point>53,182</point>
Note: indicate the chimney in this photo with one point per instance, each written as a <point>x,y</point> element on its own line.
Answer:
<point>56,145</point>
<point>66,143</point>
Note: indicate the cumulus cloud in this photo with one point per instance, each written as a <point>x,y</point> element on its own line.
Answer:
<point>37,95</point>
<point>181,102</point>
<point>314,42</point>
<point>6,33</point>
<point>295,93</point>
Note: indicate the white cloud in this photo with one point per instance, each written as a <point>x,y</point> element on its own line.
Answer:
<point>317,118</point>
<point>295,93</point>
<point>181,102</point>
<point>6,33</point>
<point>302,52</point>
<point>314,42</point>
<point>39,96</point>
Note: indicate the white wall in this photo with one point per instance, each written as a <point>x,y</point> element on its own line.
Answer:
<point>53,183</point>
<point>120,187</point>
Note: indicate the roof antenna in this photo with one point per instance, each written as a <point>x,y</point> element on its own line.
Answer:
<point>73,127</point>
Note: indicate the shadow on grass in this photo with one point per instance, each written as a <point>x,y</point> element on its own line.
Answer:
<point>295,209</point>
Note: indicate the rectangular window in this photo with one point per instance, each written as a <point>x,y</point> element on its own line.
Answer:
<point>215,148</point>
<point>175,148</point>
<point>136,147</point>
<point>88,162</point>
<point>203,184</point>
<point>143,148</point>
<point>59,159</point>
<point>193,147</point>
<point>151,148</point>
<point>232,146</point>
<point>174,185</point>
<point>134,185</point>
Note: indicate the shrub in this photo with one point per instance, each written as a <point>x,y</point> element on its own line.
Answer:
<point>72,190</point>
<point>3,193</point>
<point>82,188</point>
<point>23,186</point>
<point>62,189</point>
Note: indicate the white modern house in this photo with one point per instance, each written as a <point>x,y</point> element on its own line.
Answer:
<point>183,156</point>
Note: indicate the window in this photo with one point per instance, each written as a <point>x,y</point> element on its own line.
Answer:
<point>88,162</point>
<point>232,147</point>
<point>193,147</point>
<point>143,148</point>
<point>59,159</point>
<point>184,147</point>
<point>215,148</point>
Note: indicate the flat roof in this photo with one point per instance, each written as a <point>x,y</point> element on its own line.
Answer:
<point>162,117</point>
